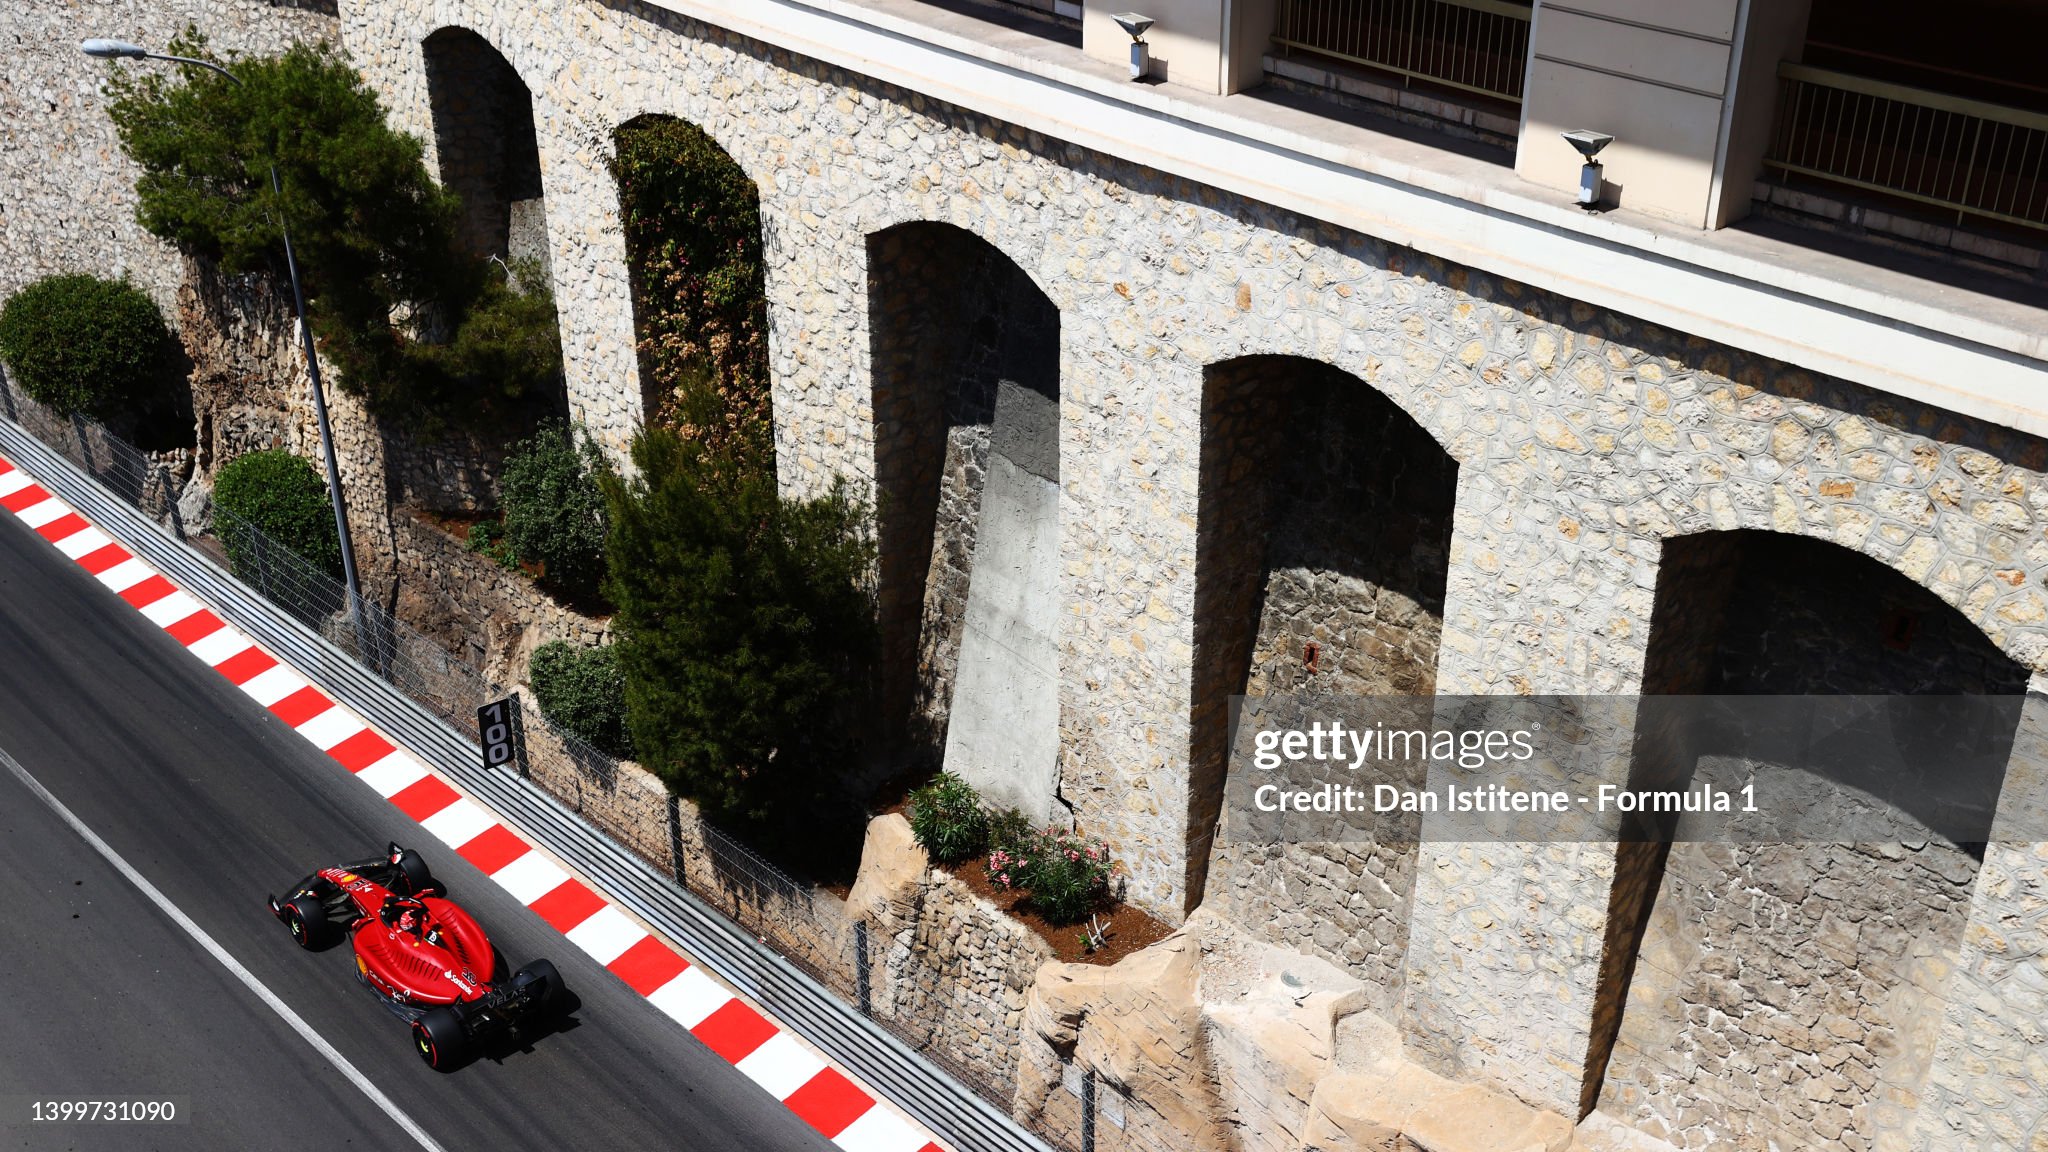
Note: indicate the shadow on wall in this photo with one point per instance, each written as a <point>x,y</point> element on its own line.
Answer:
<point>1819,966</point>
<point>1322,552</point>
<point>966,360</point>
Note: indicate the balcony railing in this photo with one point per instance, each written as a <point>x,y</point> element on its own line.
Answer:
<point>1966,156</point>
<point>1477,46</point>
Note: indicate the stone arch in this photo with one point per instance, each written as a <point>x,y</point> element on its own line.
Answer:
<point>965,355</point>
<point>488,149</point>
<point>1791,992</point>
<point>1324,518</point>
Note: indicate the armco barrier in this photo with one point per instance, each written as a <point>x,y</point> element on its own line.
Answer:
<point>956,1114</point>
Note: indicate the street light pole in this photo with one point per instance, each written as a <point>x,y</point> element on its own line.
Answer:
<point>121,50</point>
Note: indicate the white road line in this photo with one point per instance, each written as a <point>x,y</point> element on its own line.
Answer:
<point>248,979</point>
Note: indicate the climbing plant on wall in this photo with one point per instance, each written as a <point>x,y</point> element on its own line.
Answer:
<point>692,221</point>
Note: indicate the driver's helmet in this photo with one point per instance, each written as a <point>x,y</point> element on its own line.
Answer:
<point>402,914</point>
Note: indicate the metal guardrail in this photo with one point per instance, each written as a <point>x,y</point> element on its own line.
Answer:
<point>1968,156</point>
<point>1477,46</point>
<point>106,480</point>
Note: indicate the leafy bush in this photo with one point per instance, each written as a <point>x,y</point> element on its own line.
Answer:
<point>582,690</point>
<point>375,234</point>
<point>1065,875</point>
<point>282,496</point>
<point>746,627</point>
<point>554,510</point>
<point>947,818</point>
<point>1009,830</point>
<point>487,538</point>
<point>692,222</point>
<point>84,345</point>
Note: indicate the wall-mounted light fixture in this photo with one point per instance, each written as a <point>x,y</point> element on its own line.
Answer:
<point>1141,52</point>
<point>1589,143</point>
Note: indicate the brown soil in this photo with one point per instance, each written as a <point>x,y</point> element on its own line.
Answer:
<point>1125,929</point>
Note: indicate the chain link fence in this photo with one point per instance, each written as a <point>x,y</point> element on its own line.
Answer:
<point>808,926</point>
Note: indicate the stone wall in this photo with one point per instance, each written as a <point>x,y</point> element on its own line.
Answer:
<point>69,204</point>
<point>950,970</point>
<point>490,618</point>
<point>1583,440</point>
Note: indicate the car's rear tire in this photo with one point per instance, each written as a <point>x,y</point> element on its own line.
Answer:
<point>542,973</point>
<point>440,1039</point>
<point>414,867</point>
<point>307,918</point>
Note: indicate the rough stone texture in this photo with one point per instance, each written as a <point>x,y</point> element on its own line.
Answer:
<point>1213,1039</point>
<point>950,969</point>
<point>1584,441</point>
<point>490,618</point>
<point>69,204</point>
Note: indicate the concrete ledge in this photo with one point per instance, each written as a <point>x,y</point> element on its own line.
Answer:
<point>1963,351</point>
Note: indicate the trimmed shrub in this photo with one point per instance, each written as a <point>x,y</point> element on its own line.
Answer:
<point>86,346</point>
<point>582,690</point>
<point>284,497</point>
<point>947,818</point>
<point>554,513</point>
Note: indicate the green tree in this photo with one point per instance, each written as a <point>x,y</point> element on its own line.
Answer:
<point>85,345</point>
<point>374,232</point>
<point>282,496</point>
<point>746,627</point>
<point>582,690</point>
<point>554,512</point>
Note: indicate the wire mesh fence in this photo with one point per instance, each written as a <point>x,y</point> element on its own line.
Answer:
<point>807,926</point>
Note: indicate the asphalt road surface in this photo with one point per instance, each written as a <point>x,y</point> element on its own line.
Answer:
<point>216,803</point>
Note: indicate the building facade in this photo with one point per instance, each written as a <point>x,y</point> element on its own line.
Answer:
<point>1294,366</point>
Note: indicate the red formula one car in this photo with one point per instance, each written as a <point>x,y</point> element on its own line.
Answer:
<point>420,953</point>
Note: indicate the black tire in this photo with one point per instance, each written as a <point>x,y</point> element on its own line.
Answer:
<point>541,972</point>
<point>440,1039</point>
<point>307,918</point>
<point>414,867</point>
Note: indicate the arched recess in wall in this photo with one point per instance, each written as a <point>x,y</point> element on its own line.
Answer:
<point>1781,994</point>
<point>489,153</point>
<point>692,224</point>
<point>1322,549</point>
<point>966,367</point>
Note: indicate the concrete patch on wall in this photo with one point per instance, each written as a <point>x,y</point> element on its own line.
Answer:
<point>1003,736</point>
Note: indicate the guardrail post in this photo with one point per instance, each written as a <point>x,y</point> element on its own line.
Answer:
<point>1088,1111</point>
<point>860,967</point>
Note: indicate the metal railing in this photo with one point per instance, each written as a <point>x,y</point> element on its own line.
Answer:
<point>1967,156</point>
<point>758,904</point>
<point>1477,46</point>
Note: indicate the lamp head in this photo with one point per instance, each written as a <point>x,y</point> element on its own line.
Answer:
<point>114,49</point>
<point>1133,23</point>
<point>1588,142</point>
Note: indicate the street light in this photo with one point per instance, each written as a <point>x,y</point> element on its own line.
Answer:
<point>122,50</point>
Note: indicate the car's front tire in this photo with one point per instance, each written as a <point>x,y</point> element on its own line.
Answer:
<point>440,1039</point>
<point>307,918</point>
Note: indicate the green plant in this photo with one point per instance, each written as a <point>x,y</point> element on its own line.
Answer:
<point>947,818</point>
<point>554,510</point>
<point>582,690</point>
<point>1009,830</point>
<point>692,223</point>
<point>487,538</point>
<point>375,235</point>
<point>1064,874</point>
<point>86,345</point>
<point>746,626</point>
<point>281,496</point>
